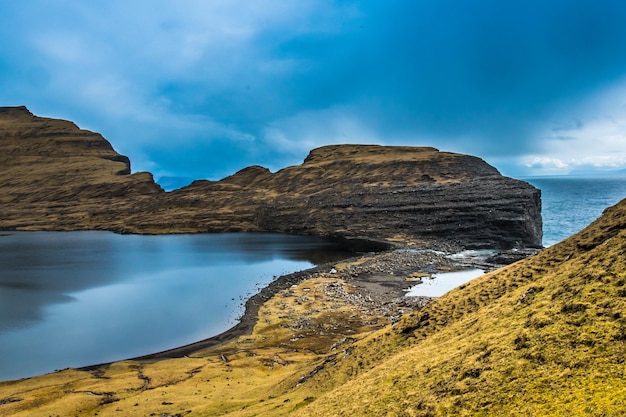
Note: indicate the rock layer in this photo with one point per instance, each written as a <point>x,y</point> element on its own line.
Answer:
<point>56,176</point>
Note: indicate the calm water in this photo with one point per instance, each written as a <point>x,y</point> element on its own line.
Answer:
<point>80,298</point>
<point>441,283</point>
<point>570,204</point>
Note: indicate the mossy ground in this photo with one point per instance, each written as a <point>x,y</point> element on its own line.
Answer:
<point>543,337</point>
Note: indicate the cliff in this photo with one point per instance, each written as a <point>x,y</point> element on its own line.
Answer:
<point>56,176</point>
<point>544,336</point>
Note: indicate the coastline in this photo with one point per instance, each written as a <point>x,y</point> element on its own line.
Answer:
<point>243,327</point>
<point>380,279</point>
<point>249,318</point>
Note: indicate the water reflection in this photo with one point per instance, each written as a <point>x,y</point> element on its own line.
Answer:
<point>77,298</point>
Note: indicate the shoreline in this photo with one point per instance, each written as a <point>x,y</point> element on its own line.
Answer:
<point>245,323</point>
<point>249,318</point>
<point>379,277</point>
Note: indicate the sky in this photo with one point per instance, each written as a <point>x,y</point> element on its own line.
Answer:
<point>202,88</point>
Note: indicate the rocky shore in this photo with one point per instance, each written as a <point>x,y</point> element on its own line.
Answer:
<point>378,283</point>
<point>543,336</point>
<point>56,176</point>
<point>319,342</point>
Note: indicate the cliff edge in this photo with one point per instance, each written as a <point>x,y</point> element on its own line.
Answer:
<point>56,176</point>
<point>545,336</point>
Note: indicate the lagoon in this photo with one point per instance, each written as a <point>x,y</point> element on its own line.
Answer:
<point>72,299</point>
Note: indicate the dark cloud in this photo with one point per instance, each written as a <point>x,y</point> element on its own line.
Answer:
<point>199,88</point>
<point>452,69</point>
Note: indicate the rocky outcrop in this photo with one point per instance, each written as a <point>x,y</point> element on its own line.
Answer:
<point>54,175</point>
<point>406,193</point>
<point>57,176</point>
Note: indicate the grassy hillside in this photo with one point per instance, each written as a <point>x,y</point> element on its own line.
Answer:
<point>543,337</point>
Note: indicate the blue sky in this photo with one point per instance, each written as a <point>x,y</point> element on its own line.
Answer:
<point>203,88</point>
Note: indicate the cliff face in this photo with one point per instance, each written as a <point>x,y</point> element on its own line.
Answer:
<point>412,193</point>
<point>56,176</point>
<point>542,337</point>
<point>406,193</point>
<point>545,336</point>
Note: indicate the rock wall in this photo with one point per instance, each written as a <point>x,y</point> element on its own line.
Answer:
<point>56,176</point>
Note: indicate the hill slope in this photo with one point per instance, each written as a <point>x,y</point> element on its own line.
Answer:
<point>54,175</point>
<point>545,336</point>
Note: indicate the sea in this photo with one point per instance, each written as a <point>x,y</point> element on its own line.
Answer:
<point>570,203</point>
<point>72,299</point>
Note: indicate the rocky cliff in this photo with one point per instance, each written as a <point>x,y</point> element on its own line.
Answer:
<point>56,176</point>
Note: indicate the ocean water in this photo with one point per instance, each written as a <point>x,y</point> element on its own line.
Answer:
<point>569,204</point>
<point>71,299</point>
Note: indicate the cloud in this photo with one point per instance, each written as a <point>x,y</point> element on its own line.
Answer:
<point>332,125</point>
<point>589,135</point>
<point>221,84</point>
<point>545,163</point>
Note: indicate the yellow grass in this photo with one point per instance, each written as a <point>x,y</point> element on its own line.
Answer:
<point>260,373</point>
